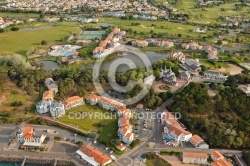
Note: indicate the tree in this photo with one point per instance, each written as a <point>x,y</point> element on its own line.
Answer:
<point>1,30</point>
<point>14,29</point>
<point>219,42</point>
<point>44,42</point>
<point>179,35</point>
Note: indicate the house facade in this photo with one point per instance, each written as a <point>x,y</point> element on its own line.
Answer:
<point>139,43</point>
<point>177,134</point>
<point>125,132</point>
<point>211,74</point>
<point>168,76</point>
<point>72,102</point>
<point>198,142</point>
<point>26,135</point>
<point>57,109</point>
<point>185,75</point>
<point>51,85</point>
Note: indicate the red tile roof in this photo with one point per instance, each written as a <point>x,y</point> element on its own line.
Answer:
<point>72,99</point>
<point>28,132</point>
<point>98,156</point>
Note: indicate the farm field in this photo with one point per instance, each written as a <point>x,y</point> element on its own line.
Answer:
<point>21,41</point>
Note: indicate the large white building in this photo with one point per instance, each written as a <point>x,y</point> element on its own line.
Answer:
<point>57,109</point>
<point>47,104</point>
<point>26,135</point>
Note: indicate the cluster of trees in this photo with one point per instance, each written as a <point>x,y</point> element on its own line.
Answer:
<point>29,79</point>
<point>242,78</point>
<point>193,99</point>
<point>153,100</point>
<point>233,99</point>
<point>232,133</point>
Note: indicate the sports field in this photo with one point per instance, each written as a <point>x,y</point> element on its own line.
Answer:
<point>89,35</point>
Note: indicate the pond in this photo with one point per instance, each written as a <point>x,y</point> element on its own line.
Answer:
<point>152,56</point>
<point>48,65</point>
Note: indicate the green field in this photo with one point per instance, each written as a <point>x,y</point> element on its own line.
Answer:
<point>169,28</point>
<point>87,123</point>
<point>21,42</point>
<point>99,120</point>
<point>210,14</point>
<point>18,15</point>
<point>216,65</point>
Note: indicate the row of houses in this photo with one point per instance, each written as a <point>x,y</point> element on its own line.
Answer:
<point>44,5</point>
<point>192,46</point>
<point>106,47</point>
<point>56,108</point>
<point>175,131</point>
<point>124,132</point>
<point>8,21</point>
<point>154,42</point>
<point>202,158</point>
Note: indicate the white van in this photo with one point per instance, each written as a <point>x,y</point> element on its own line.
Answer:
<point>113,157</point>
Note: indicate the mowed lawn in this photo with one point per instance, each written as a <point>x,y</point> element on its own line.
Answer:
<point>88,117</point>
<point>164,26</point>
<point>21,41</point>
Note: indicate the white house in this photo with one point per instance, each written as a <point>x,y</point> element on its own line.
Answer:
<point>51,85</point>
<point>26,135</point>
<point>194,158</point>
<point>177,134</point>
<point>198,142</point>
<point>57,109</point>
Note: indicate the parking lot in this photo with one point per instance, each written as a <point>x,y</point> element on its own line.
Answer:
<point>64,147</point>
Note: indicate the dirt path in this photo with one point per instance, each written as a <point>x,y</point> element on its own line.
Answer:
<point>233,69</point>
<point>3,99</point>
<point>156,87</point>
